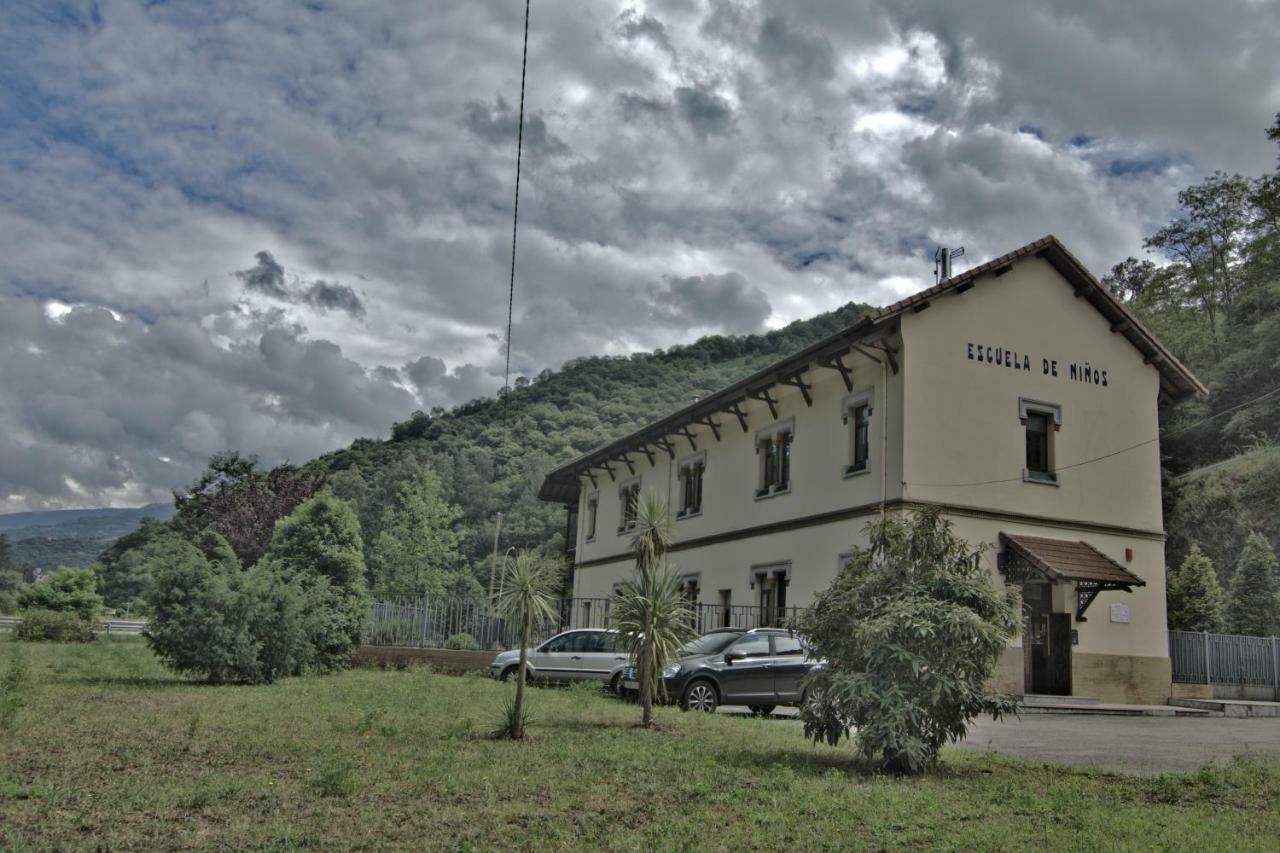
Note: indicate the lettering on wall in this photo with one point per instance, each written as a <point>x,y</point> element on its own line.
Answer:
<point>1000,356</point>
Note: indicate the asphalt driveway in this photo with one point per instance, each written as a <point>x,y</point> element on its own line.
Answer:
<point>1144,746</point>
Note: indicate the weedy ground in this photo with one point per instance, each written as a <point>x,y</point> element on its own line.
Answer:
<point>105,749</point>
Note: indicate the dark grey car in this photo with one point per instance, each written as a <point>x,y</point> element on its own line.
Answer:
<point>760,668</point>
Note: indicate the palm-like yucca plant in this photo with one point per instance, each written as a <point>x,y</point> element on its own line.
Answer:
<point>649,610</point>
<point>652,615</point>
<point>528,595</point>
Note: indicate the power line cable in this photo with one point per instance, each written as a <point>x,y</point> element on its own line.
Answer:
<point>1178,431</point>
<point>515,214</point>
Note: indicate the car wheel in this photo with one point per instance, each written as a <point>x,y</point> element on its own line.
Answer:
<point>700,696</point>
<point>761,710</point>
<point>615,686</point>
<point>510,673</point>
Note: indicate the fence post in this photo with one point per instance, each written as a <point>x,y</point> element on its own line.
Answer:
<point>1208,672</point>
<point>1275,668</point>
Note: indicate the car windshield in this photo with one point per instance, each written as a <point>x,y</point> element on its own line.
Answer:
<point>709,644</point>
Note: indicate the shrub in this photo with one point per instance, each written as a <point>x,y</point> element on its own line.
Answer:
<point>1254,604</point>
<point>67,589</point>
<point>462,642</point>
<point>13,691</point>
<point>912,629</point>
<point>54,626</point>
<point>1194,597</point>
<point>8,603</point>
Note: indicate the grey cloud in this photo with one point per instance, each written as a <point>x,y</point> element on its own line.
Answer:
<point>265,277</point>
<point>329,296</point>
<point>437,385</point>
<point>634,25</point>
<point>728,303</point>
<point>800,55</point>
<point>705,111</point>
<point>499,123</point>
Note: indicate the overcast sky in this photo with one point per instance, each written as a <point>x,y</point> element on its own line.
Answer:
<point>275,226</point>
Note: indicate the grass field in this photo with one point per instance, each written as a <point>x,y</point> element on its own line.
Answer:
<point>111,751</point>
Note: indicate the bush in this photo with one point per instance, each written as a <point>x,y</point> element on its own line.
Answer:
<point>54,626</point>
<point>462,642</point>
<point>8,603</point>
<point>912,629</point>
<point>67,589</point>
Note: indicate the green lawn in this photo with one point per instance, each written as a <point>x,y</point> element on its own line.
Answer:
<point>111,751</point>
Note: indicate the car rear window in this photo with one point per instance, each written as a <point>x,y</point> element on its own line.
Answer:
<point>784,645</point>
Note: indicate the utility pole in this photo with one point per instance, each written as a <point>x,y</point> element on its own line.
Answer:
<point>493,567</point>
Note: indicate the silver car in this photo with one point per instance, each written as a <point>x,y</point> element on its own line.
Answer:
<point>583,654</point>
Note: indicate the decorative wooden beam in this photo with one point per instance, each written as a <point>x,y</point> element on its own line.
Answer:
<point>667,446</point>
<point>999,271</point>
<point>920,306</point>
<point>765,397</point>
<point>797,381</point>
<point>592,478</point>
<point>607,467</point>
<point>741,415</point>
<point>626,457</point>
<point>836,362</point>
<point>889,352</point>
<point>644,448</point>
<point>693,439</point>
<point>715,426</point>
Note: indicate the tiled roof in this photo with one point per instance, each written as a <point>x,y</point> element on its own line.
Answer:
<point>1062,559</point>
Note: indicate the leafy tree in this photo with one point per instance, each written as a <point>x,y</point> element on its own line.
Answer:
<point>319,547</point>
<point>10,578</point>
<point>648,610</point>
<point>911,629</point>
<point>235,498</point>
<point>416,551</point>
<point>122,572</point>
<point>528,596</point>
<point>66,590</point>
<point>1194,597</point>
<point>1253,607</point>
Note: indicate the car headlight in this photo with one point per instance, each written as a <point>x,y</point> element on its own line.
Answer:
<point>670,670</point>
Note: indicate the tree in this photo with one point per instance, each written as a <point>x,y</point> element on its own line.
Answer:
<point>122,571</point>
<point>529,585</point>
<point>911,629</point>
<point>1194,596</point>
<point>241,502</point>
<point>67,590</point>
<point>10,578</point>
<point>318,546</point>
<point>650,614</point>
<point>416,551</point>
<point>1253,607</point>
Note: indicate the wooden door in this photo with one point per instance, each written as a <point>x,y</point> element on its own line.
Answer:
<point>1058,682</point>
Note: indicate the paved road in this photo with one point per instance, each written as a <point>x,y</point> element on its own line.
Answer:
<point>1144,746</point>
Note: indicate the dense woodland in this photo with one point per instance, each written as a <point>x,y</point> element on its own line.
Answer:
<point>427,497</point>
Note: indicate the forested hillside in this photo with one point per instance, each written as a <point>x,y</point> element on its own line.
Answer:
<point>490,454</point>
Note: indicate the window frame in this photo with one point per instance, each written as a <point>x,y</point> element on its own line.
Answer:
<point>626,486</point>
<point>862,397</point>
<point>768,435</point>
<point>593,517</point>
<point>1052,414</point>
<point>697,462</point>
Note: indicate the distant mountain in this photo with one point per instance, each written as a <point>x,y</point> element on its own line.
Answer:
<point>105,523</point>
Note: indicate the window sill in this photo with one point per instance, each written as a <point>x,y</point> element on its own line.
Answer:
<point>851,471</point>
<point>762,495</point>
<point>623,531</point>
<point>681,516</point>
<point>1044,479</point>
<point>588,540</point>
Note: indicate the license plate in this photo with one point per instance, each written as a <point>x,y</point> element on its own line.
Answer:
<point>630,685</point>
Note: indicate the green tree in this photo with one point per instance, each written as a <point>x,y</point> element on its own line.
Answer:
<point>122,571</point>
<point>648,610</point>
<point>10,578</point>
<point>68,590</point>
<point>416,551</point>
<point>1195,599</point>
<point>911,629</point>
<point>1253,607</point>
<point>529,585</point>
<point>318,546</point>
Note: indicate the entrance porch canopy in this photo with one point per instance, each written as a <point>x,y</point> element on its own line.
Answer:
<point>1063,561</point>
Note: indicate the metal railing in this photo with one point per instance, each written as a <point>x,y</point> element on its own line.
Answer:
<point>108,626</point>
<point>1203,658</point>
<point>432,622</point>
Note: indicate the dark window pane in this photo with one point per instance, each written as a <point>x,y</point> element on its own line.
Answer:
<point>752,645</point>
<point>1037,443</point>
<point>786,646</point>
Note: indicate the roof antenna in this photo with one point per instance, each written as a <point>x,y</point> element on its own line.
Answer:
<point>942,263</point>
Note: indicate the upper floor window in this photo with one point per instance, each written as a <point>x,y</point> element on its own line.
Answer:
<point>1040,422</point>
<point>629,496</point>
<point>857,414</point>
<point>691,471</point>
<point>593,512</point>
<point>773,446</point>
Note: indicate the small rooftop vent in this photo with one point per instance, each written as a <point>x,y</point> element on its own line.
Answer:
<point>942,262</point>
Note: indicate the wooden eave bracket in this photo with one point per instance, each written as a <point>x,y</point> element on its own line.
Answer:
<point>667,446</point>
<point>709,421</point>
<point>644,448</point>
<point>765,397</point>
<point>693,439</point>
<point>836,363</point>
<point>737,411</point>
<point>797,381</point>
<point>626,458</point>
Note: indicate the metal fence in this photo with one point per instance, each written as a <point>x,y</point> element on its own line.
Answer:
<point>433,622</point>
<point>1202,658</point>
<point>107,626</point>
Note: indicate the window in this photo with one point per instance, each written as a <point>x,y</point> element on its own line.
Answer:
<point>786,646</point>
<point>629,495</point>
<point>1040,421</point>
<point>691,485</point>
<point>752,645</point>
<point>593,511</point>
<point>861,417</point>
<point>774,449</point>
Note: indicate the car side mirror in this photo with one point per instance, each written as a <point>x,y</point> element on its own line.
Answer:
<point>730,657</point>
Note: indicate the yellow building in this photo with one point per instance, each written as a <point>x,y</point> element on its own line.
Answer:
<point>1019,396</point>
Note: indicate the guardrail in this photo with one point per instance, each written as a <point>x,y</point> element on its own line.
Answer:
<point>107,626</point>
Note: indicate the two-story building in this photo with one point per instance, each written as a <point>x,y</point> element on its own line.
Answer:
<point>1019,396</point>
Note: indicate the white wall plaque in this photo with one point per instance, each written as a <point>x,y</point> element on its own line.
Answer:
<point>1120,613</point>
